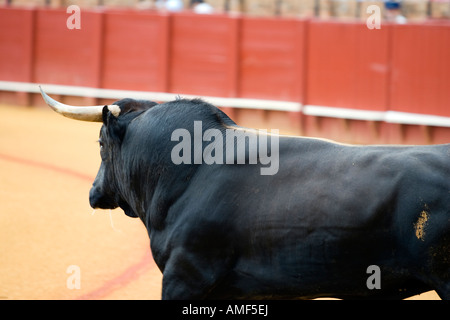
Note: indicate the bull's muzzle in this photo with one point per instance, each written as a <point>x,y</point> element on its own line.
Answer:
<point>98,200</point>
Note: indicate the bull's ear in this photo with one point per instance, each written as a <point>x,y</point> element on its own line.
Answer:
<point>105,115</point>
<point>115,128</point>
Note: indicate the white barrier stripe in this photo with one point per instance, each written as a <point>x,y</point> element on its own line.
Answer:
<point>386,116</point>
<point>313,110</point>
<point>416,119</point>
<point>155,96</point>
<point>354,114</point>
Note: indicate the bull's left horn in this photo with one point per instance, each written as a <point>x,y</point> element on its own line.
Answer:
<point>92,114</point>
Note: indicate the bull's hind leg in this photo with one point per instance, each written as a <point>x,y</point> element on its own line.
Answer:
<point>445,293</point>
<point>439,278</point>
<point>440,268</point>
<point>443,290</point>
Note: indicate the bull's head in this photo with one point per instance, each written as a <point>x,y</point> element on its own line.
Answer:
<point>104,193</point>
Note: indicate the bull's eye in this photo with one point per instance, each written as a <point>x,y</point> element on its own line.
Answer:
<point>100,142</point>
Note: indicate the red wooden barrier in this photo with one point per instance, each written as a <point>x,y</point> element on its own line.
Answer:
<point>421,69</point>
<point>347,65</point>
<point>67,56</point>
<point>272,58</point>
<point>340,65</point>
<point>203,55</point>
<point>16,41</point>
<point>135,51</point>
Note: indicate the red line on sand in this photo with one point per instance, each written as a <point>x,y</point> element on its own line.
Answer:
<point>130,274</point>
<point>46,166</point>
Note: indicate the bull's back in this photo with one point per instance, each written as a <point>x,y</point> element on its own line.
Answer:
<point>332,211</point>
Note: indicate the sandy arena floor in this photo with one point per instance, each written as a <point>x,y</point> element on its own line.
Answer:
<point>47,166</point>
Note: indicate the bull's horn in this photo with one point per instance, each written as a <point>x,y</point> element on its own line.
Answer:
<point>92,114</point>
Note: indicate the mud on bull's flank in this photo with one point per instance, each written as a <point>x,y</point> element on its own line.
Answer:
<point>241,146</point>
<point>420,225</point>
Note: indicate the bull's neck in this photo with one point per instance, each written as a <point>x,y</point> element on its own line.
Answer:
<point>152,187</point>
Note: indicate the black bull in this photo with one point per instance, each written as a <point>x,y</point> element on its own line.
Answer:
<point>330,215</point>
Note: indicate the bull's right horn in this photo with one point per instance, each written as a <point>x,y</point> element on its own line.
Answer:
<point>92,114</point>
